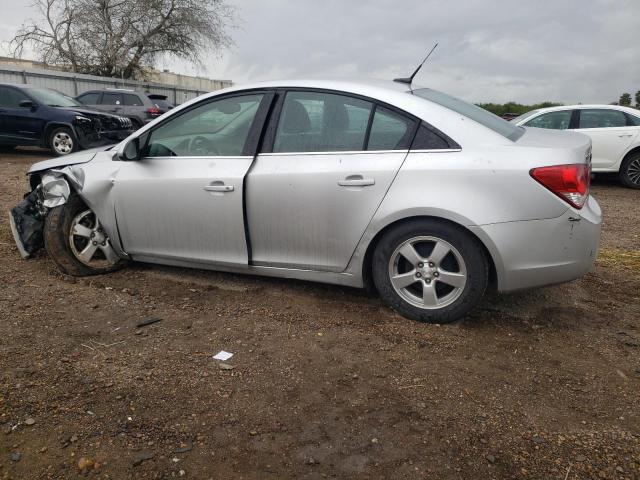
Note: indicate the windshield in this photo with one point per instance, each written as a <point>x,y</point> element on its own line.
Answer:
<point>480,115</point>
<point>524,116</point>
<point>52,98</point>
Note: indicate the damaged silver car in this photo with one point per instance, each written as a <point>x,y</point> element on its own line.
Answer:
<point>425,198</point>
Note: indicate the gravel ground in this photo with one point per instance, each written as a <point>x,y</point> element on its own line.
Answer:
<point>325,382</point>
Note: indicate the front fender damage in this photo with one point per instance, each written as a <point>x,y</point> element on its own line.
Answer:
<point>27,218</point>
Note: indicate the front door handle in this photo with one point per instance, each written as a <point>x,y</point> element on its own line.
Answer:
<point>219,188</point>
<point>626,135</point>
<point>356,181</point>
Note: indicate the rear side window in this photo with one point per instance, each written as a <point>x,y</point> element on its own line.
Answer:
<point>428,139</point>
<point>321,122</point>
<point>132,100</point>
<point>552,120</point>
<point>89,98</point>
<point>475,113</point>
<point>600,118</point>
<point>111,99</point>
<point>390,131</point>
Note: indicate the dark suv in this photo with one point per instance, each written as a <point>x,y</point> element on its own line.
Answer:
<point>34,116</point>
<point>136,106</point>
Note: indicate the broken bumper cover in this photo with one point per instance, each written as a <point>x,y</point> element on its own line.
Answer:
<point>27,224</point>
<point>95,130</point>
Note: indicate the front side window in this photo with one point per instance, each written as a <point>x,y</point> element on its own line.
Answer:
<point>10,97</point>
<point>111,99</point>
<point>552,120</point>
<point>89,98</point>
<point>600,118</point>
<point>389,131</point>
<point>632,120</point>
<point>321,122</point>
<point>218,128</point>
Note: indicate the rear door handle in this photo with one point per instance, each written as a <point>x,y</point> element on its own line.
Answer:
<point>219,188</point>
<point>626,135</point>
<point>356,181</point>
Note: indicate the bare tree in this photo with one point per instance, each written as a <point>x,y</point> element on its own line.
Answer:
<point>119,37</point>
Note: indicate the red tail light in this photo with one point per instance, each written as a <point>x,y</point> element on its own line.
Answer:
<point>154,112</point>
<point>569,182</point>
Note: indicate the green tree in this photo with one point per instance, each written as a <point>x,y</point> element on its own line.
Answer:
<point>625,100</point>
<point>513,107</point>
<point>638,99</point>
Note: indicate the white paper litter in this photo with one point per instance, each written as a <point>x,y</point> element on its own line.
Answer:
<point>222,355</point>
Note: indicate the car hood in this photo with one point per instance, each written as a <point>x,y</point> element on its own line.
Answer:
<point>73,159</point>
<point>87,111</point>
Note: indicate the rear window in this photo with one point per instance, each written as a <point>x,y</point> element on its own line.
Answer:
<point>475,113</point>
<point>160,103</point>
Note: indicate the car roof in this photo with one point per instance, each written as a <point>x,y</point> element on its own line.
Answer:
<point>630,110</point>
<point>395,94</point>
<point>23,86</point>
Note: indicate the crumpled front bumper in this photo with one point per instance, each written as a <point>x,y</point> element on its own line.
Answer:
<point>91,139</point>
<point>27,224</point>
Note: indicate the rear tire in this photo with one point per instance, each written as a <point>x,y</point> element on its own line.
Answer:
<point>630,171</point>
<point>62,141</point>
<point>76,242</point>
<point>430,271</point>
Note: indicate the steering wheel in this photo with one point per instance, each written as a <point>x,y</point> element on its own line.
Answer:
<point>202,146</point>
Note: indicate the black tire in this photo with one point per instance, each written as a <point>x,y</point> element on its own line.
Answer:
<point>469,250</point>
<point>62,141</point>
<point>57,229</point>
<point>630,171</point>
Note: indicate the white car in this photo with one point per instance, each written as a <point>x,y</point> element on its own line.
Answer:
<point>614,131</point>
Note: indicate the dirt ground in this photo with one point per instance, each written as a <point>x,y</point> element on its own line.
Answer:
<point>326,381</point>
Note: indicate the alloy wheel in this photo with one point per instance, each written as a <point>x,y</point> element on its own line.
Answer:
<point>62,143</point>
<point>89,242</point>
<point>427,272</point>
<point>633,171</point>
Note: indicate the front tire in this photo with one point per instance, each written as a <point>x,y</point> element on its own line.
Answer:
<point>76,241</point>
<point>430,271</point>
<point>62,141</point>
<point>630,171</point>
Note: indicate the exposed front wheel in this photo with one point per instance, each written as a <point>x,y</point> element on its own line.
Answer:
<point>630,171</point>
<point>430,271</point>
<point>77,242</point>
<point>62,141</point>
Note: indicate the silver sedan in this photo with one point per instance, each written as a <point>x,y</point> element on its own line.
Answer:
<point>426,198</point>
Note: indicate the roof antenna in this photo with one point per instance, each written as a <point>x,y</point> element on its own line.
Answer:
<point>408,80</point>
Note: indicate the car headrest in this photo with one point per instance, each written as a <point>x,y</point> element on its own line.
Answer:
<point>336,118</point>
<point>296,119</point>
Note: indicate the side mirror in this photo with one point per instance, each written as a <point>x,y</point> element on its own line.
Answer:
<point>27,104</point>
<point>131,150</point>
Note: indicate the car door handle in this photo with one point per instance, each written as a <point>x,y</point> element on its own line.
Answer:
<point>356,181</point>
<point>219,188</point>
<point>626,135</point>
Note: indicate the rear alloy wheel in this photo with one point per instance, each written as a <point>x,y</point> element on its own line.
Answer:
<point>62,141</point>
<point>430,271</point>
<point>77,242</point>
<point>630,171</point>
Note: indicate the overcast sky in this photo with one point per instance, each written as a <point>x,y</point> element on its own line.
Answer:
<point>490,50</point>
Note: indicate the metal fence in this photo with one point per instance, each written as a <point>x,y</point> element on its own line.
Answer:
<point>74,84</point>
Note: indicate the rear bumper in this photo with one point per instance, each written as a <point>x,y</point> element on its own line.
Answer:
<point>537,253</point>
